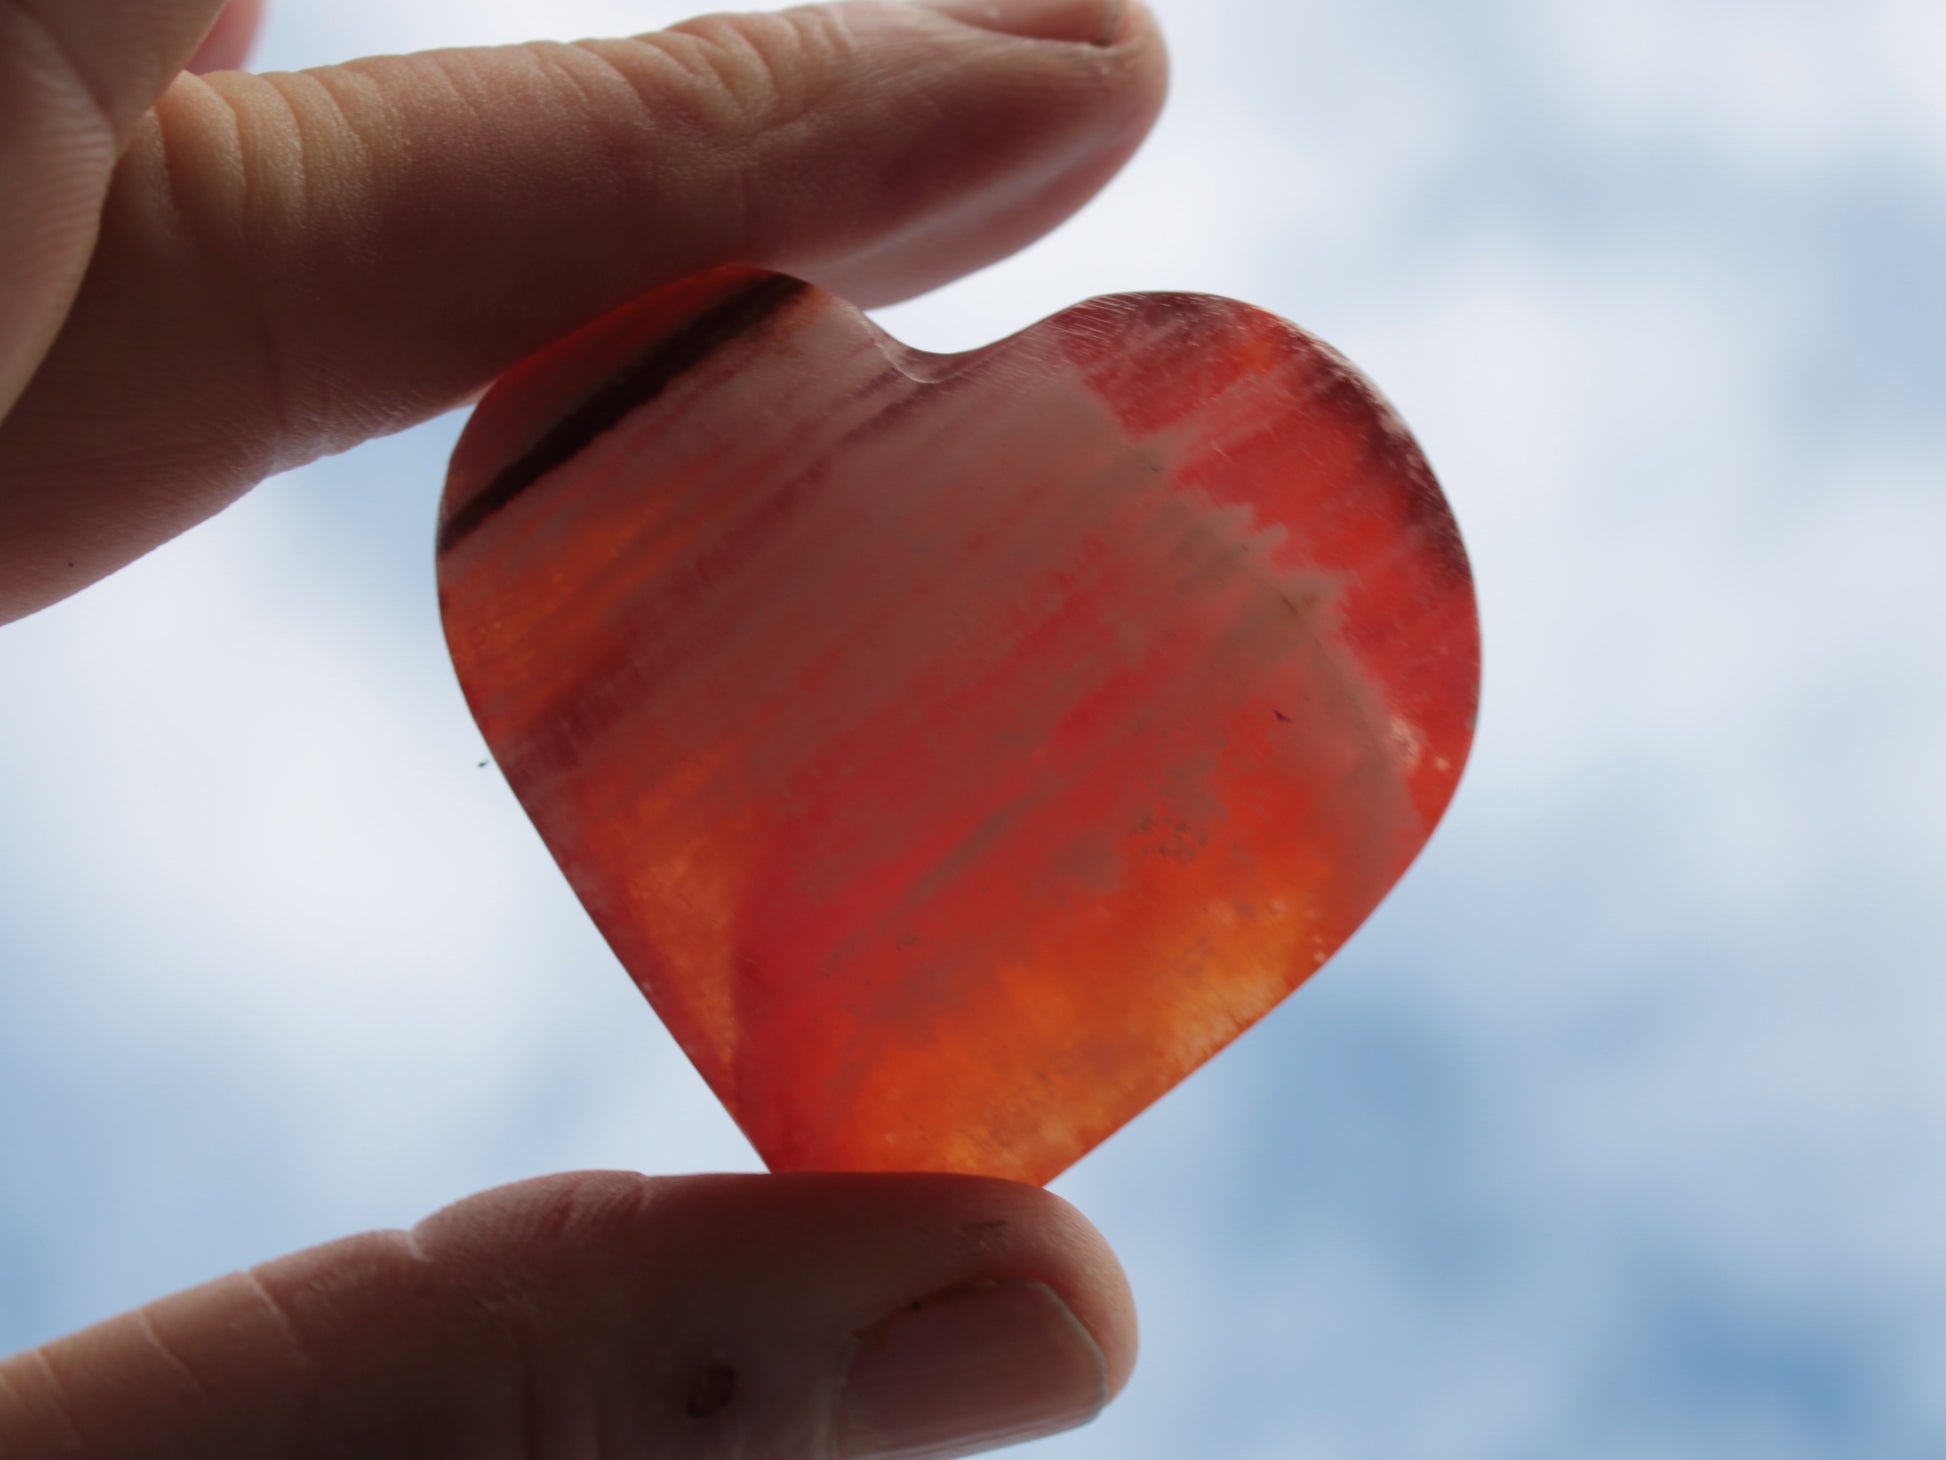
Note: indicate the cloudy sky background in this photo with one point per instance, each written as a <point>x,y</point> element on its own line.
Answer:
<point>1621,1130</point>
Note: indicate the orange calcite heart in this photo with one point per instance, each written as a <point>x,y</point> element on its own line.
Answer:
<point>958,750</point>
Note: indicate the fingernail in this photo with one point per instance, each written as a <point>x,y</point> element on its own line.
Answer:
<point>968,1370</point>
<point>1093,22</point>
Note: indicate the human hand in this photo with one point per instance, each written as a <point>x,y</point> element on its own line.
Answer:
<point>797,1317</point>
<point>203,280</point>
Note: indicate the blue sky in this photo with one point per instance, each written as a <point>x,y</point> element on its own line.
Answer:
<point>1620,1131</point>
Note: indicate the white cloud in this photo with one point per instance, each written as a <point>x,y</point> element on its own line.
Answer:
<point>1778,88</point>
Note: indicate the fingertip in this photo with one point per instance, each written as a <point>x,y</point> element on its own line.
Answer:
<point>227,46</point>
<point>1102,1297</point>
<point>1091,105</point>
<point>807,1249</point>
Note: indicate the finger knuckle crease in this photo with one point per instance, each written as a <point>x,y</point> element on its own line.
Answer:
<point>751,75</point>
<point>297,1347</point>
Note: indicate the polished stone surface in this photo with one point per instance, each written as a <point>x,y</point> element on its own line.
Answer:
<point>958,751</point>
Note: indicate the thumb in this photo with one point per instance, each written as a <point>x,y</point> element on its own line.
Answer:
<point>290,264</point>
<point>793,1316</point>
<point>227,45</point>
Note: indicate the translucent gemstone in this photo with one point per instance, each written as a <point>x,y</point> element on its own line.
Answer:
<point>958,750</point>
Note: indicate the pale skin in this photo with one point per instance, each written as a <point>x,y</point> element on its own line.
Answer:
<point>207,276</point>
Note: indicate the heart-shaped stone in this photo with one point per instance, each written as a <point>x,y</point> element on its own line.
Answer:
<point>958,750</point>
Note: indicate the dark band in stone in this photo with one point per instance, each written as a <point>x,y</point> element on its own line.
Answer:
<point>639,382</point>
